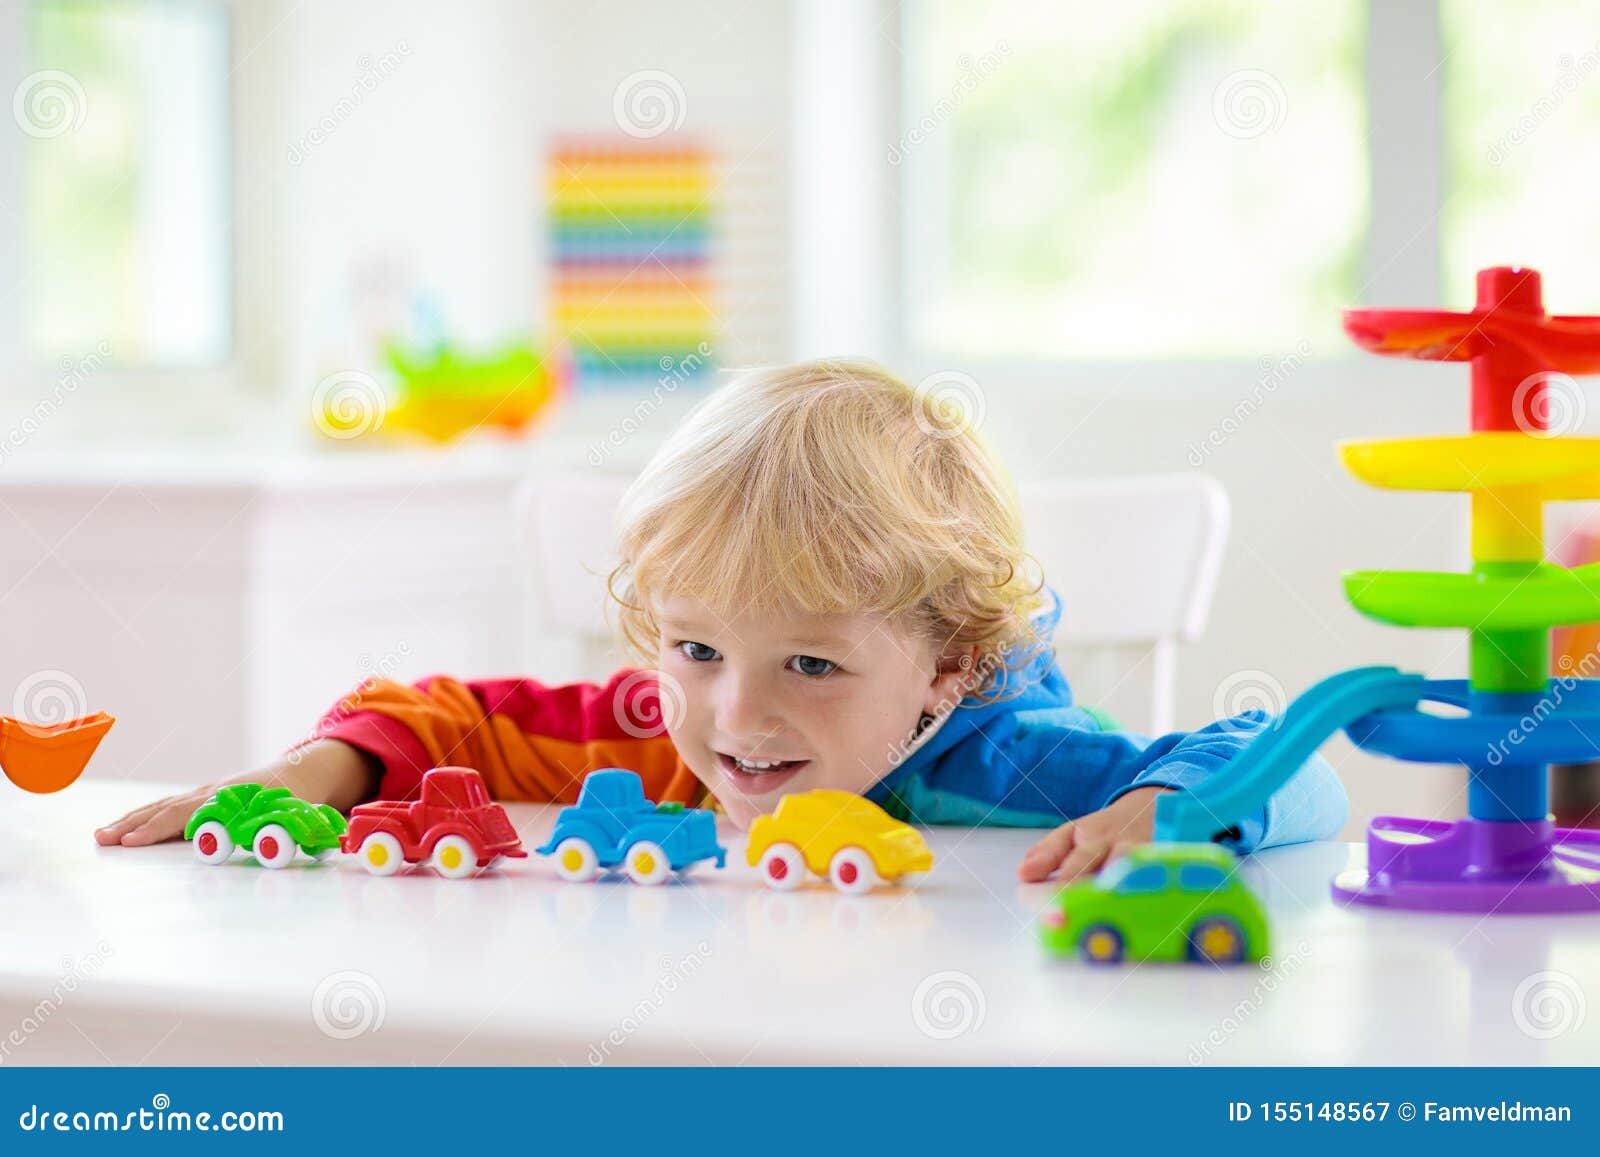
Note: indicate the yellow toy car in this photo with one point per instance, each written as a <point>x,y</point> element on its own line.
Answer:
<point>850,840</point>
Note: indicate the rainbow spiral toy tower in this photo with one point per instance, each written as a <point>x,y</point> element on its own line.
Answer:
<point>1510,719</point>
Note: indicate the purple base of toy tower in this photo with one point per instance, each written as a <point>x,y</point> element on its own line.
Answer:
<point>1476,866</point>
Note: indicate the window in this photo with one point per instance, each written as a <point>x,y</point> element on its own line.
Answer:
<point>1201,878</point>
<point>126,157</point>
<point>1522,124</point>
<point>1136,878</point>
<point>1153,177</point>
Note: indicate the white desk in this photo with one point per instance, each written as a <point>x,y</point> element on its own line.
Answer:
<point>146,957</point>
<point>218,602</point>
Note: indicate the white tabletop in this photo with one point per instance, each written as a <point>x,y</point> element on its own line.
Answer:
<point>147,957</point>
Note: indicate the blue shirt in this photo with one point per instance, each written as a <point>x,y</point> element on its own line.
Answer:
<point>1032,758</point>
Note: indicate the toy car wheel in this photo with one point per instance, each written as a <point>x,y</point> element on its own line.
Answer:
<point>783,867</point>
<point>575,860</point>
<point>852,871</point>
<point>646,863</point>
<point>454,857</point>
<point>1217,940</point>
<point>381,854</point>
<point>1102,944</point>
<point>274,847</point>
<point>212,843</point>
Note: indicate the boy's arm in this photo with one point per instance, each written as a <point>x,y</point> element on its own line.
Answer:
<point>1311,804</point>
<point>529,741</point>
<point>1046,767</point>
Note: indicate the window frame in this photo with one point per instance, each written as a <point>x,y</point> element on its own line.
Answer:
<point>139,386</point>
<point>1401,249</point>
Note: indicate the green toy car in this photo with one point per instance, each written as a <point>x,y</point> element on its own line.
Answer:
<point>1163,901</point>
<point>267,820</point>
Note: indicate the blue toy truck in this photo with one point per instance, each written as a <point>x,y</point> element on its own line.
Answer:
<point>612,823</point>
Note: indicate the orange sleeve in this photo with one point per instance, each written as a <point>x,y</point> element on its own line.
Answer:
<point>530,742</point>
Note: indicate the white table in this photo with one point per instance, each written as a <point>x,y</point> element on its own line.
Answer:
<point>146,957</point>
<point>219,601</point>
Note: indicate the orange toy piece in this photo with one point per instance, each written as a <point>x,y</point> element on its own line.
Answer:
<point>43,758</point>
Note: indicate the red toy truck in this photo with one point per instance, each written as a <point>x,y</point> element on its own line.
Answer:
<point>453,826</point>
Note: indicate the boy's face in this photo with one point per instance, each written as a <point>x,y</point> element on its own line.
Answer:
<point>774,704</point>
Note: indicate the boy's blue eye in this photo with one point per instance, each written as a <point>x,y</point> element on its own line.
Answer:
<point>812,666</point>
<point>699,652</point>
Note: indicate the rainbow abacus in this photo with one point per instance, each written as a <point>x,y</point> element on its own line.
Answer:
<point>630,245</point>
<point>1510,719</point>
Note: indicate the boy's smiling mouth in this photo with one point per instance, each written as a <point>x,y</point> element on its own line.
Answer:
<point>758,776</point>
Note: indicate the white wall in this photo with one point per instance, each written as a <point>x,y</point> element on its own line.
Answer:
<point>433,178</point>
<point>426,179</point>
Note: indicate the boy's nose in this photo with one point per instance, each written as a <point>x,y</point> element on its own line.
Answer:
<point>745,711</point>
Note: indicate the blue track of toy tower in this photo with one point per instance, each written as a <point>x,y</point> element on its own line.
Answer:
<point>1244,786</point>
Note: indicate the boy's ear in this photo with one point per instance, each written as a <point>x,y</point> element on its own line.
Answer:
<point>953,680</point>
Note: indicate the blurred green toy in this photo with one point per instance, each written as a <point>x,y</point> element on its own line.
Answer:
<point>441,393</point>
<point>1163,901</point>
<point>444,393</point>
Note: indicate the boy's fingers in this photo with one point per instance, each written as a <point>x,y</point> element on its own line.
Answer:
<point>1044,857</point>
<point>1085,858</point>
<point>164,825</point>
<point>114,831</point>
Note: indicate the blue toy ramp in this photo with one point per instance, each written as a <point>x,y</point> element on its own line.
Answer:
<point>1244,786</point>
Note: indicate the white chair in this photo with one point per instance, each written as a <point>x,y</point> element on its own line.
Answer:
<point>1135,561</point>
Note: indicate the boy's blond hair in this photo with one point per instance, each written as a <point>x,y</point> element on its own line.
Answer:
<point>830,487</point>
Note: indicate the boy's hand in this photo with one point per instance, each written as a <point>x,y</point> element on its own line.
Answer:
<point>324,771</point>
<point>1082,845</point>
